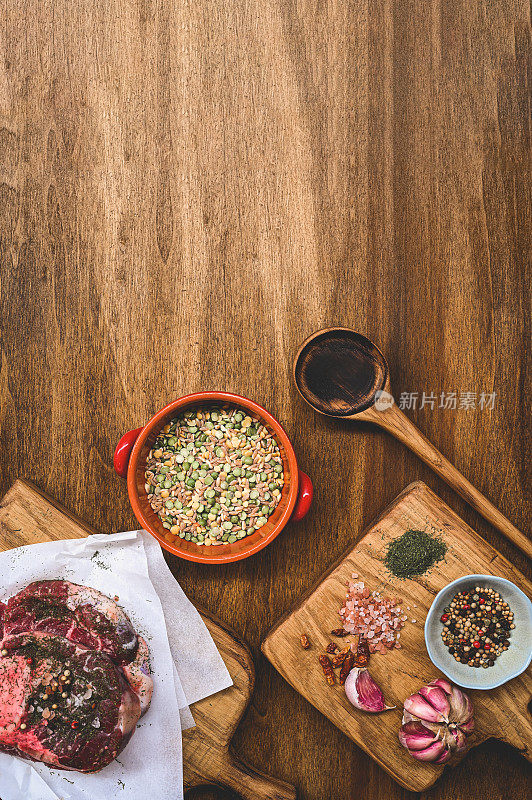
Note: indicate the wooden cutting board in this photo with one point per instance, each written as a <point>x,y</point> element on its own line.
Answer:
<point>27,516</point>
<point>500,713</point>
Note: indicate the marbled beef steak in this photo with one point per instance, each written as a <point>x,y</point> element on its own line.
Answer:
<point>63,704</point>
<point>78,613</point>
<point>74,676</point>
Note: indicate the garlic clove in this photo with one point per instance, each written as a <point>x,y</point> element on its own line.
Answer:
<point>443,684</point>
<point>431,753</point>
<point>445,756</point>
<point>363,692</point>
<point>462,707</point>
<point>414,736</point>
<point>467,727</point>
<point>419,707</point>
<point>437,699</point>
<point>458,739</point>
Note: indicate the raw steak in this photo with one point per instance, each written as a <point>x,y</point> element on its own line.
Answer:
<point>62,703</point>
<point>138,675</point>
<point>84,616</point>
<point>78,613</point>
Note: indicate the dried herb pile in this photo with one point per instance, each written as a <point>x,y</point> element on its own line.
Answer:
<point>414,553</point>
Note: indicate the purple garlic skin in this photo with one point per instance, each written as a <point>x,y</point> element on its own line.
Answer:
<point>363,692</point>
<point>419,707</point>
<point>415,736</point>
<point>436,722</point>
<point>438,699</point>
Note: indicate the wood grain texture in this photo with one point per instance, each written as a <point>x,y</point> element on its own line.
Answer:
<point>393,420</point>
<point>27,516</point>
<point>188,191</point>
<point>339,373</point>
<point>501,713</point>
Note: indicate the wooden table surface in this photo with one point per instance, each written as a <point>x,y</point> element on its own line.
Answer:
<point>188,190</point>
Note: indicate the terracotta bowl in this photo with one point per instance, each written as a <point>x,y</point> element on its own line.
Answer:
<point>130,462</point>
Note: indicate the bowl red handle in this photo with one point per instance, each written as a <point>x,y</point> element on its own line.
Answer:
<point>304,497</point>
<point>123,451</point>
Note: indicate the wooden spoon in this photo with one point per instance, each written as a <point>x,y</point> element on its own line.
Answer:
<point>342,374</point>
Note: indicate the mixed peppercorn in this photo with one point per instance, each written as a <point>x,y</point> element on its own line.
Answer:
<point>477,626</point>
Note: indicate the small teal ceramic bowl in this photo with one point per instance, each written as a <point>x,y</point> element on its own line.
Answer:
<point>509,664</point>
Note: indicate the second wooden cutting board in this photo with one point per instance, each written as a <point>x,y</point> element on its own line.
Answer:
<point>500,713</point>
<point>27,516</point>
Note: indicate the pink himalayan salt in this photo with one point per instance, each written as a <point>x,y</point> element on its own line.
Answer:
<point>369,614</point>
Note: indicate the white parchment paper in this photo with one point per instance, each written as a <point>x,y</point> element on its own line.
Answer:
<point>131,566</point>
<point>199,664</point>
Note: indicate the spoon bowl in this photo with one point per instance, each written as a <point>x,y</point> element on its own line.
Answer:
<point>339,372</point>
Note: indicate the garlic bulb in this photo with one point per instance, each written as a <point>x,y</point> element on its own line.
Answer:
<point>363,692</point>
<point>436,721</point>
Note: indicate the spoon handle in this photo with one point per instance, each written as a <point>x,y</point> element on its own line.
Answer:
<point>395,422</point>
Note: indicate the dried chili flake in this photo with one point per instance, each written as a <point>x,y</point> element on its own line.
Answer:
<point>361,657</point>
<point>347,666</point>
<point>338,659</point>
<point>326,666</point>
